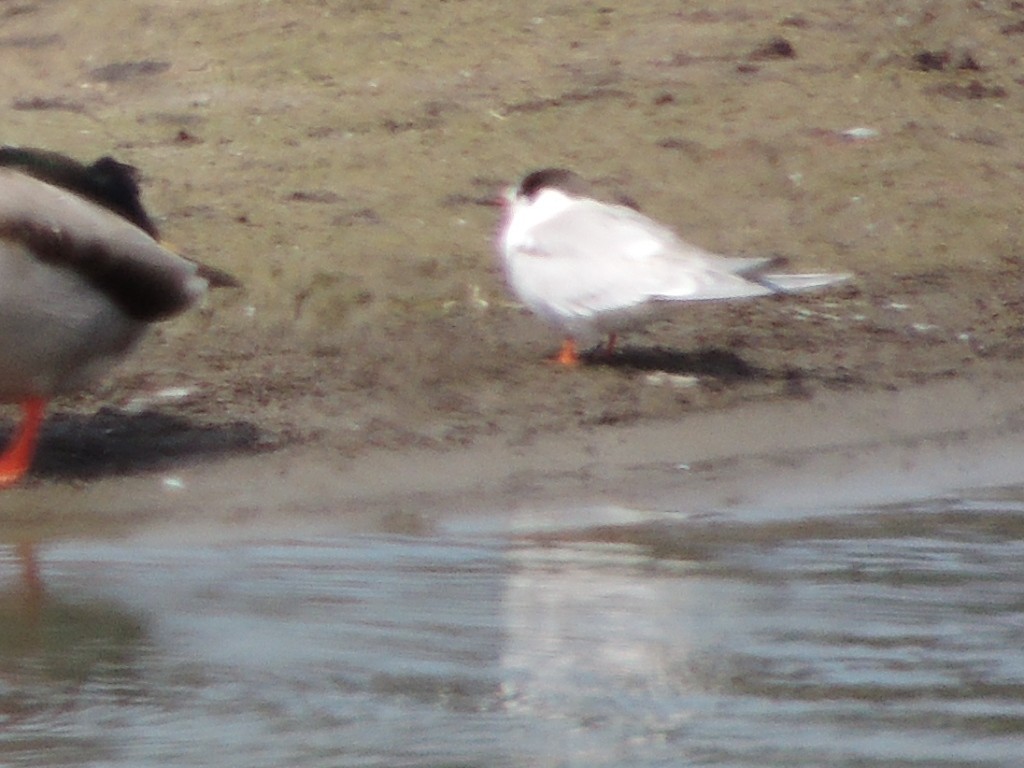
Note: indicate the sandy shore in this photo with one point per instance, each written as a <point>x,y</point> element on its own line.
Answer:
<point>335,157</point>
<point>778,458</point>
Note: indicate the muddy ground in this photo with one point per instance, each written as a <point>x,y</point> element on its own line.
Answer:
<point>337,158</point>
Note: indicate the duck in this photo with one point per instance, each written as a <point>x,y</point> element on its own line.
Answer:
<point>83,274</point>
<point>592,267</point>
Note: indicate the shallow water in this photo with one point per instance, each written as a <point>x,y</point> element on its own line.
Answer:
<point>887,636</point>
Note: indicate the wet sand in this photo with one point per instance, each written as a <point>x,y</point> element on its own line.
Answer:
<point>774,459</point>
<point>337,157</point>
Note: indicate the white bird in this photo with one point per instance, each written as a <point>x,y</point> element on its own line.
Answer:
<point>590,267</point>
<point>81,277</point>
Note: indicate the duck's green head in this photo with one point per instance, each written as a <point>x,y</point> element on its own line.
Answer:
<point>106,182</point>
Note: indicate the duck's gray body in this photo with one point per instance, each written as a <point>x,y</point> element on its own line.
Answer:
<point>78,286</point>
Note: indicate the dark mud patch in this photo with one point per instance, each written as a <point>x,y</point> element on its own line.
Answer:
<point>112,442</point>
<point>720,364</point>
<point>29,41</point>
<point>129,70</point>
<point>45,104</point>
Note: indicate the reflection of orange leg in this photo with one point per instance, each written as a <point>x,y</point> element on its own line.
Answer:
<point>15,461</point>
<point>567,355</point>
<point>30,577</point>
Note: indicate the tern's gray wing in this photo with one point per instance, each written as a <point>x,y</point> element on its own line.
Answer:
<point>594,258</point>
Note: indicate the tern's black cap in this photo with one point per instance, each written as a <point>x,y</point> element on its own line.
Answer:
<point>552,178</point>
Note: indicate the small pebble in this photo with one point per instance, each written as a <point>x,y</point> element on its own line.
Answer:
<point>678,381</point>
<point>173,483</point>
<point>859,134</point>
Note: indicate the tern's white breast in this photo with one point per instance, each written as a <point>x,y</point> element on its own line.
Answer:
<point>526,215</point>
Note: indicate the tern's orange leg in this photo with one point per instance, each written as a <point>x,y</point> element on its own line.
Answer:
<point>567,355</point>
<point>15,461</point>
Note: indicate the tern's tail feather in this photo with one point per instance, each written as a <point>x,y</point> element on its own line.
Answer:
<point>791,283</point>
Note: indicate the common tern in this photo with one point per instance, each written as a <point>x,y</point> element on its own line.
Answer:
<point>590,267</point>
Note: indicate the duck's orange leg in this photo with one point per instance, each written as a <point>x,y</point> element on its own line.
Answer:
<point>567,355</point>
<point>15,461</point>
